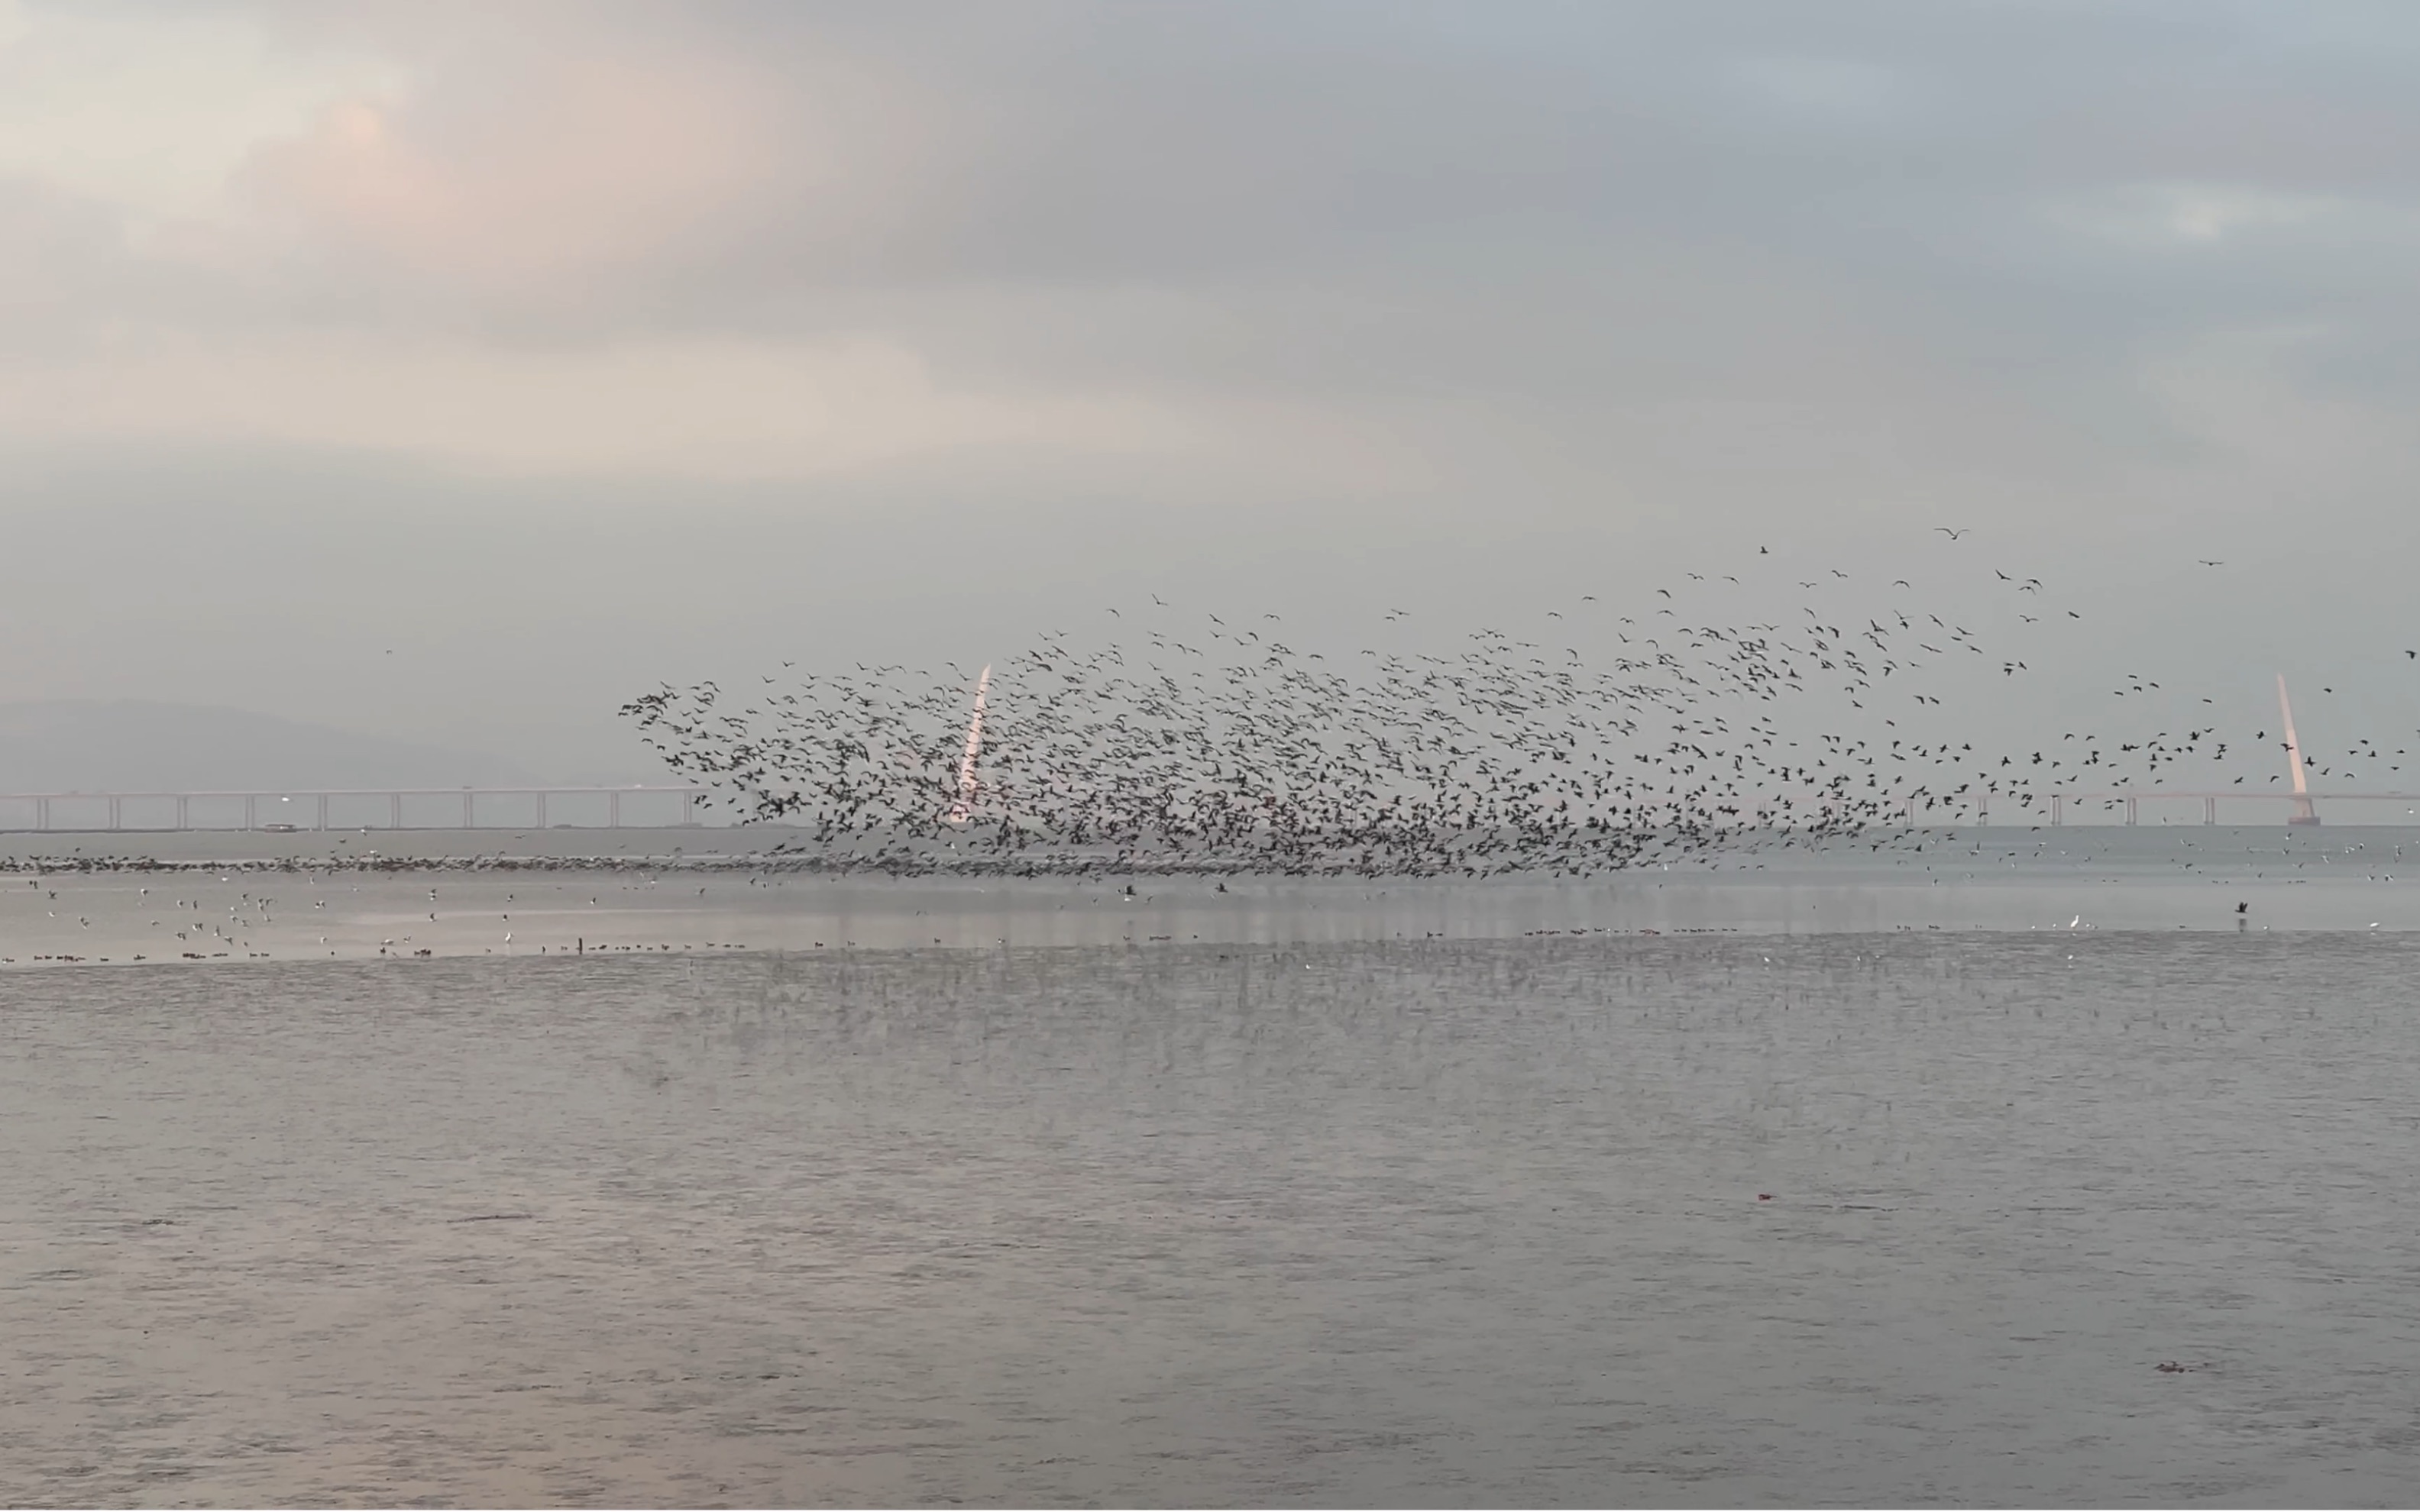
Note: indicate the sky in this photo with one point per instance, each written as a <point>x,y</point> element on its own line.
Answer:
<point>454,372</point>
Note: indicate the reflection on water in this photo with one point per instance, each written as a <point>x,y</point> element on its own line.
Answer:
<point>1856,1218</point>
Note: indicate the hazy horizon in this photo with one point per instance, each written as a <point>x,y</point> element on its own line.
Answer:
<point>140,745</point>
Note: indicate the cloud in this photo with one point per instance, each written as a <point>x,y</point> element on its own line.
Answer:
<point>574,181</point>
<point>579,343</point>
<point>1300,247</point>
<point>703,409</point>
<point>151,110</point>
<point>62,260</point>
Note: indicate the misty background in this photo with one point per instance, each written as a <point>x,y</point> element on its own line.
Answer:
<point>443,376</point>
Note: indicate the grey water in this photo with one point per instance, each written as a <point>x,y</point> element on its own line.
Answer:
<point>233,898</point>
<point>1880,1217</point>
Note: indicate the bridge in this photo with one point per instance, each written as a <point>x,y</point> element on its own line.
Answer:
<point>2300,804</point>
<point>2302,799</point>
<point>346,808</point>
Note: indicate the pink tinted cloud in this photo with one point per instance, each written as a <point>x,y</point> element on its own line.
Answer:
<point>557,180</point>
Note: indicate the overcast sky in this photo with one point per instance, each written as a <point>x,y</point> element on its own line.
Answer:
<point>453,372</point>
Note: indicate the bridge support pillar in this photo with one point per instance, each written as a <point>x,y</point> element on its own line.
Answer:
<point>613,811</point>
<point>2130,809</point>
<point>395,810</point>
<point>2210,810</point>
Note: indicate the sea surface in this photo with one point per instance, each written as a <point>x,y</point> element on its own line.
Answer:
<point>216,897</point>
<point>1840,1183</point>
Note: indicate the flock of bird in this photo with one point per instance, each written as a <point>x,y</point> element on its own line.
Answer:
<point>1184,740</point>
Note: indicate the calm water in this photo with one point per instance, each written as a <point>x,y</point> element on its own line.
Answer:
<point>2181,877</point>
<point>1371,1221</point>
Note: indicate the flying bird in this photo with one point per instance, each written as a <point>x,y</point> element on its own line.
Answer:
<point>1502,758</point>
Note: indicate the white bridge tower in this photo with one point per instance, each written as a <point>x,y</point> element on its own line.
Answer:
<point>2303,813</point>
<point>963,809</point>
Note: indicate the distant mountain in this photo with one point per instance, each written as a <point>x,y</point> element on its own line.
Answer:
<point>76,745</point>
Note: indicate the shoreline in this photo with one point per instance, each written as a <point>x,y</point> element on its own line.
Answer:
<point>781,850</point>
<point>96,910</point>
